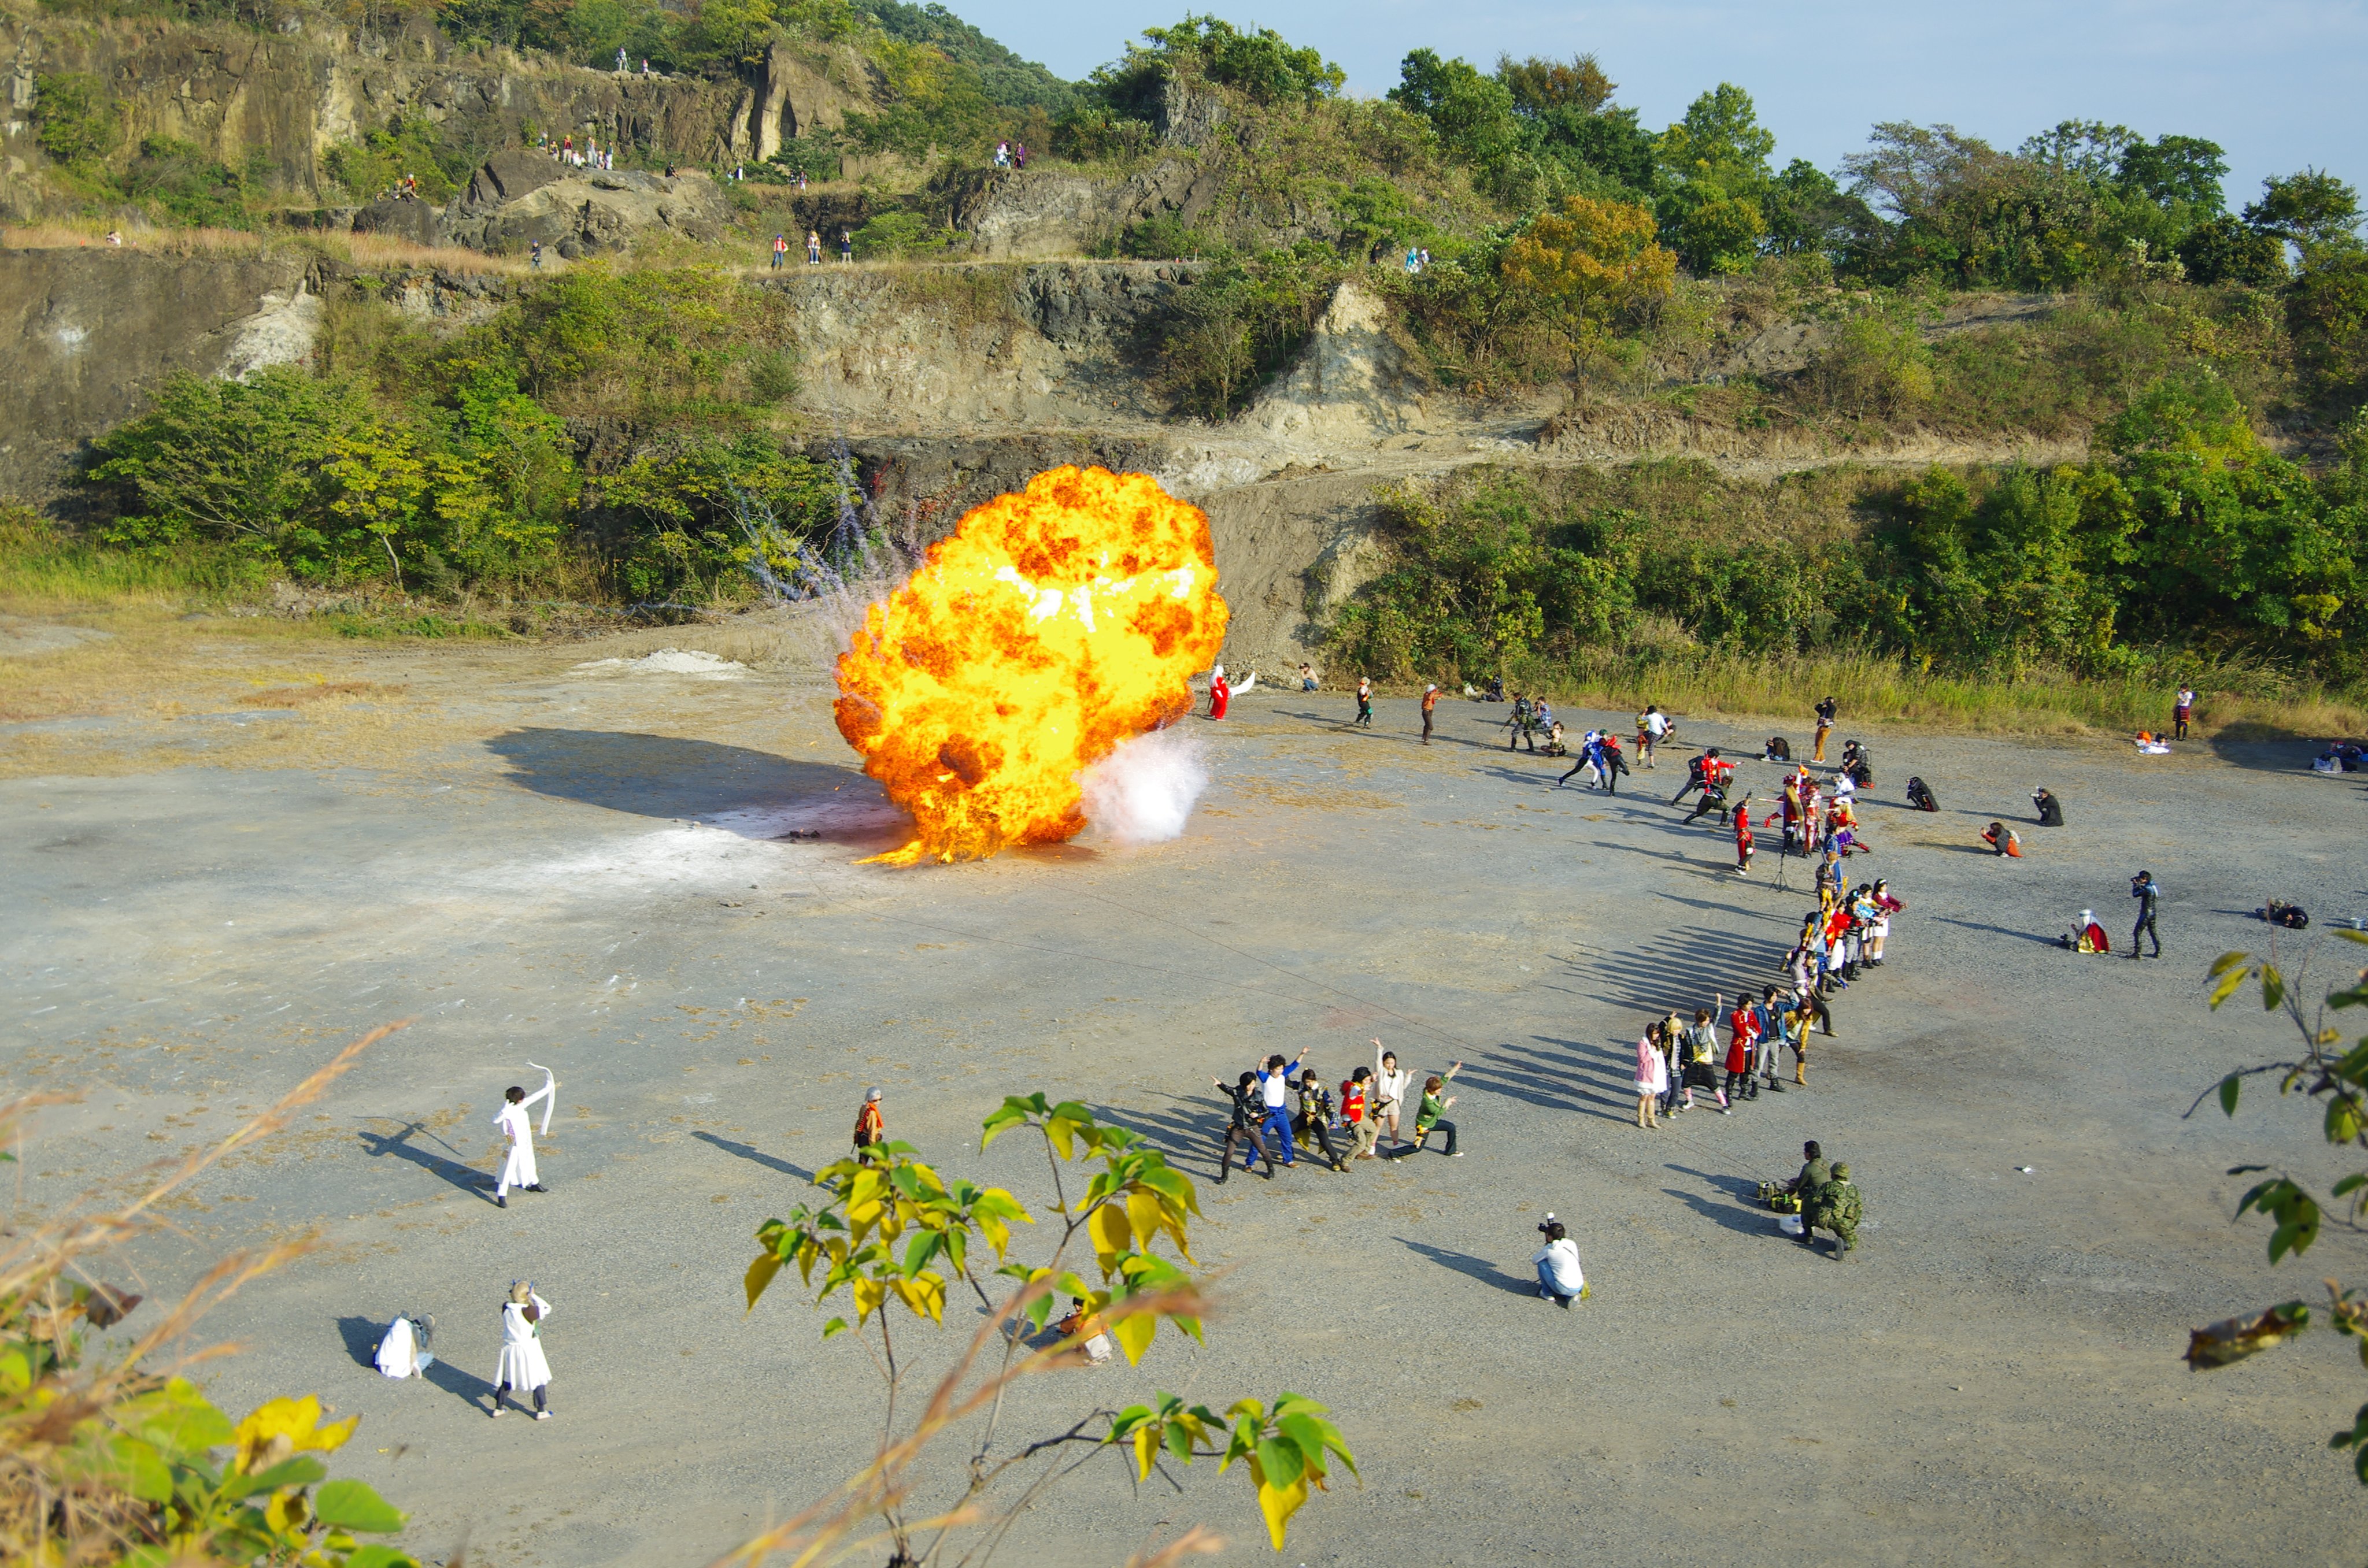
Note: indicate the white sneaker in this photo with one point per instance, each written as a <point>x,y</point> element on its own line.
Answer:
<point>542,1416</point>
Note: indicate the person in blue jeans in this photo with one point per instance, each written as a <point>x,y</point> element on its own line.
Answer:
<point>1274,1093</point>
<point>1560,1277</point>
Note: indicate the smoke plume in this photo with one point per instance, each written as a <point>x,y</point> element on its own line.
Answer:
<point>1143,791</point>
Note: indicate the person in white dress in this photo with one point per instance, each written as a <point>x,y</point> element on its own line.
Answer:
<point>515,1120</point>
<point>1390,1084</point>
<point>404,1352</point>
<point>522,1364</point>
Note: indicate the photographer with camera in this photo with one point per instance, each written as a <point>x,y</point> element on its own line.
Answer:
<point>1559,1275</point>
<point>2148,893</point>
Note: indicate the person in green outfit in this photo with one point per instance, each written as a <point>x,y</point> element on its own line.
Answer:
<point>1432,1117</point>
<point>1839,1209</point>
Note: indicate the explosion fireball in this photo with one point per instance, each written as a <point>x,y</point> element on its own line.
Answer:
<point>1048,628</point>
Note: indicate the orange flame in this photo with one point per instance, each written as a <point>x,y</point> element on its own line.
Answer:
<point>1050,626</point>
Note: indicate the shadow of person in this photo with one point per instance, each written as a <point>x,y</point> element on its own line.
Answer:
<point>755,1155</point>
<point>362,1336</point>
<point>453,1169</point>
<point>1473,1268</point>
<point>2002,930</point>
<point>662,775</point>
<point>1190,1129</point>
<point>1727,1215</point>
<point>461,1385</point>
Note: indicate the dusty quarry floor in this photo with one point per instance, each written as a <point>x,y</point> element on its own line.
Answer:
<point>215,878</point>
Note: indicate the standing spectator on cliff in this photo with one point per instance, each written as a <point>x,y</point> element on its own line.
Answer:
<point>781,251</point>
<point>814,247</point>
<point>846,245</point>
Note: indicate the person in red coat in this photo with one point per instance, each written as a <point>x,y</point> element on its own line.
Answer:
<point>1742,837</point>
<point>1219,693</point>
<point>1741,1044</point>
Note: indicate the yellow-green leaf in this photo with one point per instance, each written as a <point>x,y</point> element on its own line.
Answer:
<point>2231,982</point>
<point>1133,1334</point>
<point>869,1294</point>
<point>1113,1235</point>
<point>1146,1448</point>
<point>760,1274</point>
<point>1278,1504</point>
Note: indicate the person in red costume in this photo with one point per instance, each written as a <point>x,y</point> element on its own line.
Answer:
<point>1742,837</point>
<point>1219,693</point>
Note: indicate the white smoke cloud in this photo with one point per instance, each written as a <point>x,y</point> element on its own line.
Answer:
<point>1143,791</point>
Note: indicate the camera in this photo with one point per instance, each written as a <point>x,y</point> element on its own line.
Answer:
<point>1546,1224</point>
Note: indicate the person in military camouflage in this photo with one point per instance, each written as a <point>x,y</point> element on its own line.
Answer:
<point>1839,1209</point>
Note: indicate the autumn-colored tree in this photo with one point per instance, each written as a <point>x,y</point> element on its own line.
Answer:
<point>1586,261</point>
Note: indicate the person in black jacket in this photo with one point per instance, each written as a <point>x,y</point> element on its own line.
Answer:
<point>2148,893</point>
<point>1247,1114</point>
<point>2050,810</point>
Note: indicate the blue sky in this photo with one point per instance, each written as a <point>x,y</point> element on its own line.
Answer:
<point>2277,84</point>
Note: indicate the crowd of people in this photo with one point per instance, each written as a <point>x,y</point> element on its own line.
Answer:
<point>1273,1109</point>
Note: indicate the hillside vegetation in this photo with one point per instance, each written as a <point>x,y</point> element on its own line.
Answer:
<point>634,432</point>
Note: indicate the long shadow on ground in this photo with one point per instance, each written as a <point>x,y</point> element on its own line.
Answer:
<point>755,1156</point>
<point>1556,1075</point>
<point>399,1145</point>
<point>1471,1268</point>
<point>1685,967</point>
<point>661,776</point>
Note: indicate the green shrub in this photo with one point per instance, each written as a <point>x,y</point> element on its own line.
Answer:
<point>76,121</point>
<point>1166,237</point>
<point>1238,323</point>
<point>892,234</point>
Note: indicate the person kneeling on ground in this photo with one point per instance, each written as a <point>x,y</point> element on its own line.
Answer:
<point>1838,1209</point>
<point>1560,1277</point>
<point>1919,795</point>
<point>2050,809</point>
<point>1087,1330</point>
<point>1778,749</point>
<point>2002,840</point>
<point>2289,915</point>
<point>2088,936</point>
<point>1814,1174</point>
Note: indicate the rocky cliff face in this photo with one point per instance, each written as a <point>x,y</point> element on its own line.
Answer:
<point>518,197</point>
<point>87,335</point>
<point>294,96</point>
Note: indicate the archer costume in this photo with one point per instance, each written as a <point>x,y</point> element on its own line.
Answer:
<point>518,1169</point>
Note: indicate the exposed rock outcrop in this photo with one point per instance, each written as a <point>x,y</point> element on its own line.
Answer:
<point>517,197</point>
<point>292,96</point>
<point>87,334</point>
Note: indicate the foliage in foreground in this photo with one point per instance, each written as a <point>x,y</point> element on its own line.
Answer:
<point>2335,1079</point>
<point>895,1238</point>
<point>107,1459</point>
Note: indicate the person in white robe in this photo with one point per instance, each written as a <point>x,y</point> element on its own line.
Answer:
<point>404,1352</point>
<point>517,1120</point>
<point>522,1365</point>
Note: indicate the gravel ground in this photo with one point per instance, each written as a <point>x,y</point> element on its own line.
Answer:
<point>581,868</point>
